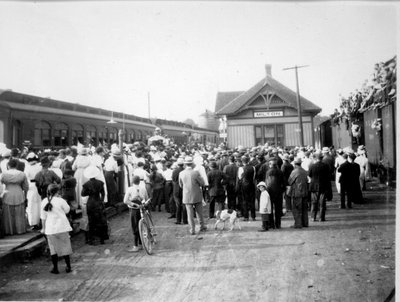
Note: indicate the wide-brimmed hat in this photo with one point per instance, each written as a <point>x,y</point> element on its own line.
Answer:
<point>180,161</point>
<point>6,153</point>
<point>285,157</point>
<point>91,172</point>
<point>325,149</point>
<point>32,157</point>
<point>116,152</point>
<point>188,160</point>
<point>261,184</point>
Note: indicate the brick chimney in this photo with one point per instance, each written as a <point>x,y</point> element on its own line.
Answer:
<point>268,68</point>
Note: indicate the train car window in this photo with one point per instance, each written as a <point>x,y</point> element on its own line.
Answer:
<point>112,135</point>
<point>60,134</point>
<point>1,131</point>
<point>77,134</point>
<point>42,134</point>
<point>91,135</point>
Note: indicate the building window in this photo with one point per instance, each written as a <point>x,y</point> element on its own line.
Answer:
<point>60,134</point>
<point>272,134</point>
<point>77,134</point>
<point>42,134</point>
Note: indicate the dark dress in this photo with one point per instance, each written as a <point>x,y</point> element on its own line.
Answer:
<point>275,181</point>
<point>94,188</point>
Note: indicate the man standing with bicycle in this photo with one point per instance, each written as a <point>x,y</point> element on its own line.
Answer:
<point>135,195</point>
<point>192,196</point>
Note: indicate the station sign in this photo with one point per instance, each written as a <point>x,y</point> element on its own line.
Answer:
<point>268,113</point>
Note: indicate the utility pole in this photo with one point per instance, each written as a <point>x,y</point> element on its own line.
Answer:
<point>298,102</point>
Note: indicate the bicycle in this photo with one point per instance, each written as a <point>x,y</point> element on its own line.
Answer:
<point>146,226</point>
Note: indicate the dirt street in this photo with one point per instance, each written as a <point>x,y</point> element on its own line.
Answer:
<point>350,257</point>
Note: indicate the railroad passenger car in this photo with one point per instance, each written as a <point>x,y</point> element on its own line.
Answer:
<point>43,122</point>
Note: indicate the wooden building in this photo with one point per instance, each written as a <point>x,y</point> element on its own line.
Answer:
<point>266,113</point>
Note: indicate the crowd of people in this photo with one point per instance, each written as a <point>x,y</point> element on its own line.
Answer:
<point>179,180</point>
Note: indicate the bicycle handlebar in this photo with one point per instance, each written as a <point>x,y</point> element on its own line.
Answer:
<point>144,204</point>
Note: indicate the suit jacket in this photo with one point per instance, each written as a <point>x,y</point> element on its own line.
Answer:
<point>176,189</point>
<point>320,177</point>
<point>275,181</point>
<point>216,180</point>
<point>298,183</point>
<point>191,182</point>
<point>350,173</point>
<point>231,172</point>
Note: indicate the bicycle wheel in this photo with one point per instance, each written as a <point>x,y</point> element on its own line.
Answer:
<point>152,229</point>
<point>145,236</point>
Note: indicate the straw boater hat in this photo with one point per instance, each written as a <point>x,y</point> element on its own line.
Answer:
<point>188,160</point>
<point>91,172</point>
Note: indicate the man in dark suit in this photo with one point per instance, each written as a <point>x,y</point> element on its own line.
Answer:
<point>320,175</point>
<point>181,215</point>
<point>231,172</point>
<point>349,182</point>
<point>247,178</point>
<point>275,186</point>
<point>298,183</point>
<point>224,161</point>
<point>216,180</point>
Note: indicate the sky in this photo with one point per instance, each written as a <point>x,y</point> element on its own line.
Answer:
<point>119,55</point>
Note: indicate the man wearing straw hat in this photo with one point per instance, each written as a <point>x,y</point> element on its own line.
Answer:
<point>191,182</point>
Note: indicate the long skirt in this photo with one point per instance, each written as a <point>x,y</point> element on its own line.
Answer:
<point>14,219</point>
<point>59,244</point>
<point>112,190</point>
<point>33,208</point>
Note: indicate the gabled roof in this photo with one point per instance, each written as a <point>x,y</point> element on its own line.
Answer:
<point>238,100</point>
<point>224,98</point>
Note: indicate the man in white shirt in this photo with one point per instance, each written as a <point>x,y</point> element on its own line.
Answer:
<point>135,194</point>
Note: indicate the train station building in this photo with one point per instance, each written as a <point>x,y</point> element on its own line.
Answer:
<point>265,113</point>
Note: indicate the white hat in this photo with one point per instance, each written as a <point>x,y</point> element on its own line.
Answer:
<point>32,157</point>
<point>188,160</point>
<point>180,161</point>
<point>325,149</point>
<point>261,183</point>
<point>91,172</point>
<point>6,153</point>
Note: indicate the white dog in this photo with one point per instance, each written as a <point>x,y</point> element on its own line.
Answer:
<point>224,215</point>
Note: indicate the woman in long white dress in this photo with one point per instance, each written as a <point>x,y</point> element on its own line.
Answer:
<point>81,162</point>
<point>338,161</point>
<point>362,160</point>
<point>34,200</point>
